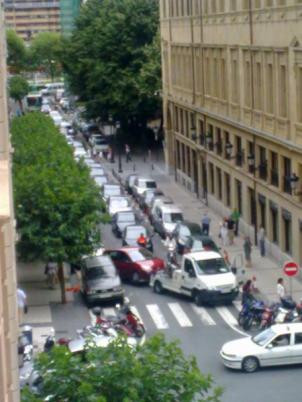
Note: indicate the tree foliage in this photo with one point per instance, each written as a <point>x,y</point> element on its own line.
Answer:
<point>155,372</point>
<point>57,204</point>
<point>18,89</point>
<point>16,52</point>
<point>46,52</point>
<point>107,55</point>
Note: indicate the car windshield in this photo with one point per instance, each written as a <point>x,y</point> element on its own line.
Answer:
<point>264,337</point>
<point>211,267</point>
<point>126,217</point>
<point>172,217</point>
<point>150,184</point>
<point>100,141</point>
<point>105,271</point>
<point>112,191</point>
<point>100,180</point>
<point>139,255</point>
<point>135,232</point>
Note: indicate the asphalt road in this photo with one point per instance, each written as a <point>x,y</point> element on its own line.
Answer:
<point>201,332</point>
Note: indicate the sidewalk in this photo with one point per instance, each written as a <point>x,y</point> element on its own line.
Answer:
<point>265,269</point>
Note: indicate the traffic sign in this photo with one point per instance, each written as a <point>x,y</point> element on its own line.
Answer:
<point>290,268</point>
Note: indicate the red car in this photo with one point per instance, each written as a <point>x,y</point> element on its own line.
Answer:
<point>135,263</point>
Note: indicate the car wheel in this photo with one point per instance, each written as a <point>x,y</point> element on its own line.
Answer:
<point>197,298</point>
<point>247,323</point>
<point>135,277</point>
<point>250,364</point>
<point>157,287</point>
<point>140,330</point>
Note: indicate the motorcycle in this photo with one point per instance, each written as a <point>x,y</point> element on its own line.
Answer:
<point>251,314</point>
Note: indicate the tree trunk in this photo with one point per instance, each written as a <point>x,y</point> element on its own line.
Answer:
<point>62,282</point>
<point>21,106</point>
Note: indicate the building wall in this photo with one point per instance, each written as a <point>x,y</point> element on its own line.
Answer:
<point>28,18</point>
<point>232,89</point>
<point>9,391</point>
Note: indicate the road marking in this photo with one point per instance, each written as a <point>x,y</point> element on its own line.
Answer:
<point>231,321</point>
<point>180,315</point>
<point>157,316</point>
<point>203,315</point>
<point>237,304</point>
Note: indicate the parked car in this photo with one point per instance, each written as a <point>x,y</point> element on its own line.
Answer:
<point>97,171</point>
<point>100,280</point>
<point>122,219</point>
<point>141,184</point>
<point>45,108</point>
<point>189,235</point>
<point>129,182</point>
<point>56,117</point>
<point>132,232</point>
<point>99,143</point>
<point>165,219</point>
<point>101,180</point>
<point>144,199</point>
<point>278,345</point>
<point>156,202</point>
<point>79,152</point>
<point>135,264</point>
<point>110,189</point>
<point>117,203</point>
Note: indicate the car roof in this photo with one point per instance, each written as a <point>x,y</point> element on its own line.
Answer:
<point>287,327</point>
<point>170,208</point>
<point>145,178</point>
<point>117,198</point>
<point>125,210</point>
<point>110,185</point>
<point>204,255</point>
<point>135,226</point>
<point>190,224</point>
<point>163,199</point>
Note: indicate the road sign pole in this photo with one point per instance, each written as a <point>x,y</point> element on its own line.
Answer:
<point>291,286</point>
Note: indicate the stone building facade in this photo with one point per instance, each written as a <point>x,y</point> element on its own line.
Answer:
<point>9,389</point>
<point>232,93</point>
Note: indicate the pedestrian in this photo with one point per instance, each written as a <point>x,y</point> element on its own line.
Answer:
<point>281,290</point>
<point>22,304</point>
<point>205,224</point>
<point>128,153</point>
<point>247,248</point>
<point>51,272</point>
<point>231,230</point>
<point>247,292</point>
<point>261,238</point>
<point>224,233</point>
<point>235,217</point>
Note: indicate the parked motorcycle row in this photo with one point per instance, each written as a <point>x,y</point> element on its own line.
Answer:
<point>256,314</point>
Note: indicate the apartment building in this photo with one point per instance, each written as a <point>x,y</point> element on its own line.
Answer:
<point>8,311</point>
<point>29,17</point>
<point>232,93</point>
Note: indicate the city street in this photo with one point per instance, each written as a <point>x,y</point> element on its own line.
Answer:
<point>201,331</point>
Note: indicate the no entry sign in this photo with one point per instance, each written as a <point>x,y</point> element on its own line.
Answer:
<point>290,268</point>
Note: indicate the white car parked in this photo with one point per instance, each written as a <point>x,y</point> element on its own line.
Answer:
<point>278,345</point>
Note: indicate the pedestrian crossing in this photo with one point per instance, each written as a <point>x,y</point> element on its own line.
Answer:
<point>167,315</point>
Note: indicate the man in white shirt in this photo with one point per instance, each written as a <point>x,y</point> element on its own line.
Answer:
<point>280,289</point>
<point>21,301</point>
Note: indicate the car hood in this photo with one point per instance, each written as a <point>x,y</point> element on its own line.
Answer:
<point>103,283</point>
<point>227,280</point>
<point>241,347</point>
<point>122,225</point>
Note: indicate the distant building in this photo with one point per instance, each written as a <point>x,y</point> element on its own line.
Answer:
<point>9,375</point>
<point>232,93</point>
<point>29,17</point>
<point>69,11</point>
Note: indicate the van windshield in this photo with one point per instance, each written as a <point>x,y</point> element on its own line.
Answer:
<point>172,217</point>
<point>213,266</point>
<point>106,271</point>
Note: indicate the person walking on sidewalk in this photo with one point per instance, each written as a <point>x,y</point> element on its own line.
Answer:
<point>261,238</point>
<point>247,248</point>
<point>231,228</point>
<point>51,274</point>
<point>224,233</point>
<point>205,224</point>
<point>235,217</point>
<point>128,153</point>
<point>281,290</point>
<point>22,304</point>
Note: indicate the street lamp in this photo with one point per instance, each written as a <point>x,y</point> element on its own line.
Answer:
<point>120,168</point>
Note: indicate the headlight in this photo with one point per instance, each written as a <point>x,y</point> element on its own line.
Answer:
<point>117,289</point>
<point>228,355</point>
<point>90,291</point>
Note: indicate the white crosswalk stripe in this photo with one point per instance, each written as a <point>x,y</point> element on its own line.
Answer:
<point>180,315</point>
<point>227,316</point>
<point>157,316</point>
<point>203,315</point>
<point>237,304</point>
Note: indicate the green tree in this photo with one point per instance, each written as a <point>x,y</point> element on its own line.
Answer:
<point>57,204</point>
<point>154,372</point>
<point>16,52</point>
<point>105,58</point>
<point>18,89</point>
<point>46,52</point>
